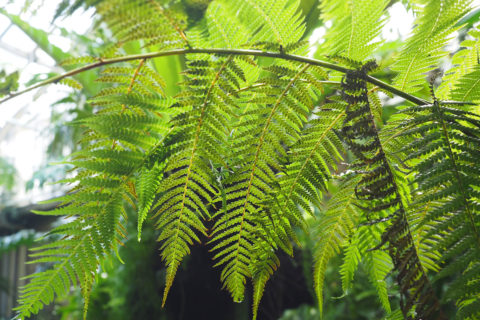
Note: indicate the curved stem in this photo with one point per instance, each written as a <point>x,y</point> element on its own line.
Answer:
<point>247,52</point>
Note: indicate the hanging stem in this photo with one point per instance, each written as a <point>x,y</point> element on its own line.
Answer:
<point>247,52</point>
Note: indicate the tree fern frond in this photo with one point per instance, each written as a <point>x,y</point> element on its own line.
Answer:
<point>351,261</point>
<point>270,21</point>
<point>148,182</point>
<point>310,160</point>
<point>468,86</point>
<point>449,181</point>
<point>148,21</point>
<point>315,154</point>
<point>244,149</point>
<point>355,25</point>
<point>261,133</point>
<point>105,168</point>
<point>380,190</point>
<point>463,62</point>
<point>264,264</point>
<point>223,31</point>
<point>394,139</point>
<point>362,238</point>
<point>334,228</point>
<point>379,265</point>
<point>422,50</point>
<point>187,185</point>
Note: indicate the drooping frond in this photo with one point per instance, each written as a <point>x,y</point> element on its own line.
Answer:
<point>312,157</point>
<point>445,155</point>
<point>393,142</point>
<point>355,25</point>
<point>377,263</point>
<point>186,188</point>
<point>309,162</point>
<point>281,108</point>
<point>380,193</point>
<point>76,258</point>
<point>423,50</point>
<point>207,105</point>
<point>118,140</point>
<point>146,187</point>
<point>334,228</point>
<point>263,264</point>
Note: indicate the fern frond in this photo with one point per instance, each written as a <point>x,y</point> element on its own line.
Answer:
<point>468,87</point>
<point>334,229</point>
<point>355,25</point>
<point>275,22</point>
<point>310,161</point>
<point>264,263</point>
<point>223,31</point>
<point>423,49</point>
<point>147,185</point>
<point>275,120</point>
<point>105,170</point>
<point>380,191</point>
<point>71,83</point>
<point>142,20</point>
<point>351,261</point>
<point>463,63</point>
<point>76,258</point>
<point>379,265</point>
<point>447,177</point>
<point>393,139</point>
<point>187,185</point>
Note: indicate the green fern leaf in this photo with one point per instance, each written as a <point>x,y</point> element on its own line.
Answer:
<point>468,87</point>
<point>269,21</point>
<point>355,25</point>
<point>264,264</point>
<point>449,153</point>
<point>463,62</point>
<point>379,265</point>
<point>255,152</point>
<point>422,50</point>
<point>334,228</point>
<point>148,182</point>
